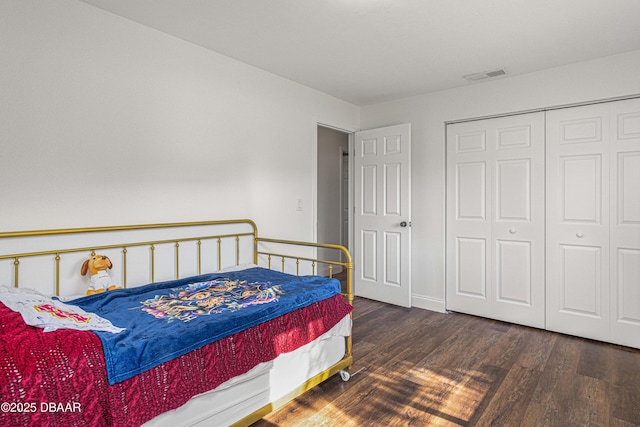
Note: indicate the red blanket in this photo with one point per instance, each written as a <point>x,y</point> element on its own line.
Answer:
<point>59,378</point>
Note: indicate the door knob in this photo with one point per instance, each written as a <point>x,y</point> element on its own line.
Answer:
<point>403,224</point>
<point>579,235</point>
<point>512,230</point>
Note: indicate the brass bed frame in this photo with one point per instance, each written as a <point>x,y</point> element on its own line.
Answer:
<point>259,254</point>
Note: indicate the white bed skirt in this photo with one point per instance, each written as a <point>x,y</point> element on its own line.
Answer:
<point>267,382</point>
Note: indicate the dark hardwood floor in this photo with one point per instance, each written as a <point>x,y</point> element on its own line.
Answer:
<point>420,368</point>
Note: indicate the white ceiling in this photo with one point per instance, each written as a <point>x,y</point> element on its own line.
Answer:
<point>367,51</point>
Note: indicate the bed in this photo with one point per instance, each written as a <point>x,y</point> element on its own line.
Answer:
<point>210,324</point>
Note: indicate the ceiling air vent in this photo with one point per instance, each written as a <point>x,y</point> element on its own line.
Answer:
<point>484,75</point>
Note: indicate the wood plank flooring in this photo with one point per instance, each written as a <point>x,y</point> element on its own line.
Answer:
<point>415,367</point>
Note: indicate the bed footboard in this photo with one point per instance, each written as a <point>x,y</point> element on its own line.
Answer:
<point>344,265</point>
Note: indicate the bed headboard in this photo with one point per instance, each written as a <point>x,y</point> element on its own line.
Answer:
<point>50,260</point>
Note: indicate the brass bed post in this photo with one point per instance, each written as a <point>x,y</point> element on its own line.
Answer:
<point>219,255</point>
<point>255,250</point>
<point>124,267</point>
<point>255,242</point>
<point>57,274</point>
<point>349,350</point>
<point>350,283</point>
<point>237,250</point>
<point>153,263</point>
<point>177,261</point>
<point>16,263</point>
<point>199,257</point>
<point>349,266</point>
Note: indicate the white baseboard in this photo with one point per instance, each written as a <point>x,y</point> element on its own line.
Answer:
<point>427,303</point>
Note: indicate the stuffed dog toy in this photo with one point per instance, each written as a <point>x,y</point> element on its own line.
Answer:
<point>97,265</point>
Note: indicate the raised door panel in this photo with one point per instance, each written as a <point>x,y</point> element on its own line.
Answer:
<point>368,190</point>
<point>469,141</point>
<point>580,185</point>
<point>580,281</point>
<point>392,190</point>
<point>628,191</point>
<point>368,255</point>
<point>392,254</point>
<point>368,208</point>
<point>514,273</point>
<point>514,135</point>
<point>471,271</point>
<point>470,191</point>
<point>513,193</point>
<point>627,288</point>
<point>580,131</point>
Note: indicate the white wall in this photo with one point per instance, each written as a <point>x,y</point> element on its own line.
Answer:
<point>609,77</point>
<point>104,121</point>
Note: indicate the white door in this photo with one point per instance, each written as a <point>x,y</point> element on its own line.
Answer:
<point>625,223</point>
<point>495,218</point>
<point>593,221</point>
<point>382,214</point>
<point>578,221</point>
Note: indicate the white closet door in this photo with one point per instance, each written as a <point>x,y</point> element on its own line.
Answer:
<point>495,218</point>
<point>625,222</point>
<point>593,221</point>
<point>578,221</point>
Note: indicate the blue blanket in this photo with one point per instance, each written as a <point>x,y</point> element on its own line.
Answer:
<point>166,320</point>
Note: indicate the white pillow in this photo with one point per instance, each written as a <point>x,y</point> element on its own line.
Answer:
<point>44,312</point>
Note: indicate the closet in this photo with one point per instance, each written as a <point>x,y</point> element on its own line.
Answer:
<point>543,220</point>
